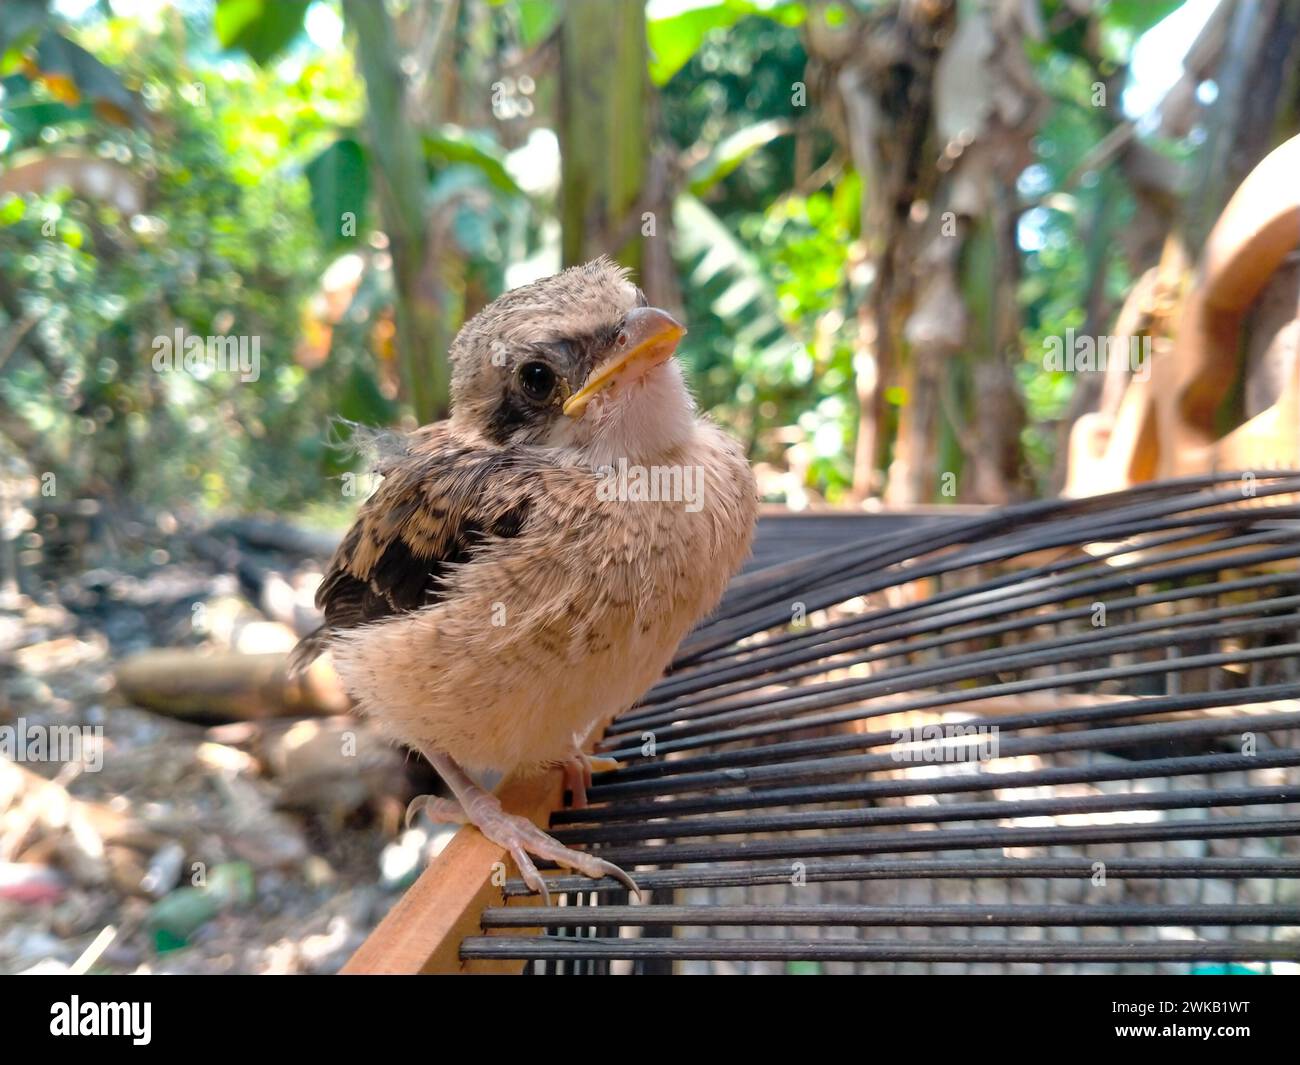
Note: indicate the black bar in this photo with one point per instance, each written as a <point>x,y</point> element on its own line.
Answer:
<point>887,916</point>
<point>526,947</point>
<point>857,869</point>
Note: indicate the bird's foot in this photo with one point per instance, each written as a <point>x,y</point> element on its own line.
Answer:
<point>522,838</point>
<point>519,836</point>
<point>578,769</point>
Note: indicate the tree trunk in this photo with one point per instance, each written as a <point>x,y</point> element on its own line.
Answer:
<point>426,310</point>
<point>605,138</point>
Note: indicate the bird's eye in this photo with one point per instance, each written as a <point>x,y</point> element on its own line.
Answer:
<point>537,380</point>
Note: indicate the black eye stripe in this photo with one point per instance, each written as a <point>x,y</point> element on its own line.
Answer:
<point>511,414</point>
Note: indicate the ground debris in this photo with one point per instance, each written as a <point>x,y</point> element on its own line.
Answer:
<point>202,842</point>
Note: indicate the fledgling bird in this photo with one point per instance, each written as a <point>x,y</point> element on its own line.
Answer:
<point>495,600</point>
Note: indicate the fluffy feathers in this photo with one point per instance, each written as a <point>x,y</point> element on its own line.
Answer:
<point>488,603</point>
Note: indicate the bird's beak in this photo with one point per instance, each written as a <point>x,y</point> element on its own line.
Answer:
<point>649,336</point>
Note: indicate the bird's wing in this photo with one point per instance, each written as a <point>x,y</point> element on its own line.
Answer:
<point>439,499</point>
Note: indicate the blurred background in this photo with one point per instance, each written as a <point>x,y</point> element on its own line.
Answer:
<point>225,224</point>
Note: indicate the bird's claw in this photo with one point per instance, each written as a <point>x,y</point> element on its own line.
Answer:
<point>522,838</point>
<point>439,810</point>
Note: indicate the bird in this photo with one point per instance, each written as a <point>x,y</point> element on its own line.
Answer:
<point>526,568</point>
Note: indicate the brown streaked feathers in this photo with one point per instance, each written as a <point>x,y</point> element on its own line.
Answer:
<point>437,503</point>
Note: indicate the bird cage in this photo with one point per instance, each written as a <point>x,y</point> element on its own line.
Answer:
<point>1060,736</point>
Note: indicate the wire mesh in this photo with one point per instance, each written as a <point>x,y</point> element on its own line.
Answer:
<point>1057,737</point>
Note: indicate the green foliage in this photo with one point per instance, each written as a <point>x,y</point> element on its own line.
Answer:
<point>765,269</point>
<point>262,28</point>
<point>732,151</point>
<point>535,18</point>
<point>676,38</point>
<point>340,186</point>
<point>58,57</point>
<point>1124,21</point>
<point>740,81</point>
<point>23,22</point>
<point>248,172</point>
<point>254,152</point>
<point>225,247</point>
<point>450,144</point>
<point>768,347</point>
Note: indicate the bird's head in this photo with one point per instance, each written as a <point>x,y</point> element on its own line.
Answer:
<point>579,361</point>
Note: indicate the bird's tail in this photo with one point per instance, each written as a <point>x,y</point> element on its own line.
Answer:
<point>307,651</point>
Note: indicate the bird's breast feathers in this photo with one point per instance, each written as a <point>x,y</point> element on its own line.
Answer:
<point>504,603</point>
